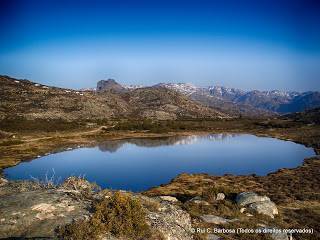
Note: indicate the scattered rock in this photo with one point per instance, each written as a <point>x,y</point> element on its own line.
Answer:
<point>216,219</point>
<point>280,236</point>
<point>259,204</point>
<point>220,196</point>
<point>242,210</point>
<point>247,198</point>
<point>168,199</point>
<point>198,200</point>
<point>265,207</point>
<point>3,181</point>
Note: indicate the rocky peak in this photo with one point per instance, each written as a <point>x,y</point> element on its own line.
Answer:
<point>110,84</point>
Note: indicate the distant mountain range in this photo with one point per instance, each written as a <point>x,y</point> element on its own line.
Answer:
<point>248,102</point>
<point>111,100</point>
<point>234,101</point>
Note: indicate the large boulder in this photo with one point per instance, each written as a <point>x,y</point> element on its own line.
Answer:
<point>265,207</point>
<point>247,198</point>
<point>256,203</point>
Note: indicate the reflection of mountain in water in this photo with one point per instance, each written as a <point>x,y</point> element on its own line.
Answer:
<point>114,145</point>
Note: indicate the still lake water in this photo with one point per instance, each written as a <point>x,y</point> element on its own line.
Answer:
<point>138,164</point>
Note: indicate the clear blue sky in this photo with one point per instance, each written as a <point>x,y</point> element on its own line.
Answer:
<point>265,44</point>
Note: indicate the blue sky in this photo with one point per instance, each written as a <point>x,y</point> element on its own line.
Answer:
<point>245,44</point>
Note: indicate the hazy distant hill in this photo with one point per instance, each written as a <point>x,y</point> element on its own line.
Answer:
<point>254,103</point>
<point>26,99</point>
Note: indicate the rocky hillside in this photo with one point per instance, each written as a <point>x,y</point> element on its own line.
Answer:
<point>249,103</point>
<point>310,116</point>
<point>29,100</point>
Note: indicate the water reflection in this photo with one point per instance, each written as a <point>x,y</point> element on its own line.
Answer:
<point>141,163</point>
<point>115,145</point>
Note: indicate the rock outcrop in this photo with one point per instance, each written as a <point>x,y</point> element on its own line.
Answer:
<point>256,203</point>
<point>37,212</point>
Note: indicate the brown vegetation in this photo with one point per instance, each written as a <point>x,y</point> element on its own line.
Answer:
<point>121,215</point>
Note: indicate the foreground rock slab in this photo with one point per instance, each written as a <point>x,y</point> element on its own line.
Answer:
<point>38,213</point>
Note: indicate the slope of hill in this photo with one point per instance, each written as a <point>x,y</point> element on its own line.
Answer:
<point>29,100</point>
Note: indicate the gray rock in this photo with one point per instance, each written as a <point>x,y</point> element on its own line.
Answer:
<point>247,198</point>
<point>266,207</point>
<point>198,200</point>
<point>276,235</point>
<point>38,213</point>
<point>173,222</point>
<point>216,219</point>
<point>280,236</point>
<point>259,204</point>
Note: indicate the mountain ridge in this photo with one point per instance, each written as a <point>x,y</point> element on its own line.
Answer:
<point>29,100</point>
<point>247,102</point>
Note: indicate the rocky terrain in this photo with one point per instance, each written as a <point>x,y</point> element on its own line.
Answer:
<point>23,99</point>
<point>76,209</point>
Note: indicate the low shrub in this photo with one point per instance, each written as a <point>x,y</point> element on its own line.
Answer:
<point>120,215</point>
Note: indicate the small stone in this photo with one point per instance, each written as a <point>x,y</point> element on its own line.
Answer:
<point>3,181</point>
<point>220,196</point>
<point>242,210</point>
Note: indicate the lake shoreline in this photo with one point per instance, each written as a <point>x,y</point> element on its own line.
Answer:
<point>28,146</point>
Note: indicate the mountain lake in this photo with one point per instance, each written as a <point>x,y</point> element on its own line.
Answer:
<point>141,163</point>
